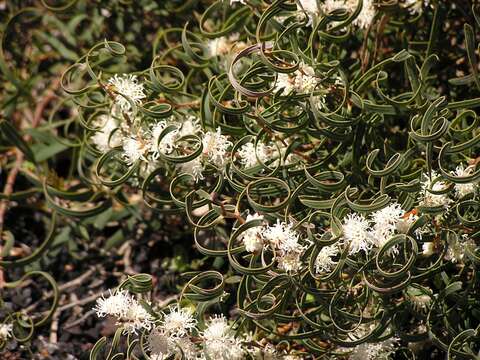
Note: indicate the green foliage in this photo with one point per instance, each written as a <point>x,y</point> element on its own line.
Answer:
<point>329,169</point>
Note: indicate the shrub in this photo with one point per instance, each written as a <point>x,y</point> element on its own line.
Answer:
<point>324,154</point>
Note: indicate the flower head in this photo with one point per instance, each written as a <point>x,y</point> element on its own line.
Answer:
<point>134,149</point>
<point>215,146</point>
<point>220,342</point>
<point>178,322</point>
<point>193,167</point>
<point>374,351</point>
<point>167,144</point>
<point>248,154</point>
<point>286,243</point>
<point>137,318</point>
<point>429,199</point>
<point>367,14</point>
<point>462,190</point>
<point>415,6</point>
<point>302,80</point>
<point>428,248</point>
<point>5,331</point>
<point>252,238</point>
<point>356,233</point>
<point>310,6</point>
<point>129,86</point>
<point>107,136</point>
<point>385,223</point>
<point>324,261</point>
<point>117,304</point>
<point>128,311</point>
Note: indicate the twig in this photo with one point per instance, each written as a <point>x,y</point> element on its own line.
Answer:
<point>72,304</point>
<point>78,321</point>
<point>72,283</point>
<point>53,339</point>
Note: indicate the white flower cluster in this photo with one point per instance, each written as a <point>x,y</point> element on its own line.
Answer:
<point>143,142</point>
<point>363,21</point>
<point>362,234</point>
<point>108,134</point>
<point>462,190</point>
<point>302,80</point>
<point>249,155</point>
<point>415,6</point>
<point>126,309</point>
<point>223,45</point>
<point>215,146</point>
<point>427,198</point>
<point>219,341</point>
<point>325,260</point>
<point>172,336</point>
<point>286,244</point>
<point>6,330</point>
<point>281,237</point>
<point>374,351</point>
<point>130,87</point>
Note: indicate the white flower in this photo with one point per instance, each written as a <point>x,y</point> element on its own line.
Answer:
<point>252,238</point>
<point>356,233</point>
<point>134,149</point>
<point>464,189</point>
<point>330,5</point>
<point>167,144</point>
<point>219,46</point>
<point>178,322</point>
<point>126,309</point>
<point>324,261</point>
<point>282,236</point>
<point>137,318</point>
<point>432,200</point>
<point>365,18</point>
<point>374,351</point>
<point>239,1</point>
<point>310,6</point>
<point>248,155</point>
<point>415,6</point>
<point>220,342</point>
<point>129,86</point>
<point>428,248</point>
<point>302,80</point>
<point>285,241</point>
<point>193,167</point>
<point>117,304</point>
<point>222,45</point>
<point>385,222</point>
<point>103,139</point>
<point>190,126</point>
<point>215,146</point>
<point>161,346</point>
<point>290,261</point>
<point>6,331</point>
<point>456,249</point>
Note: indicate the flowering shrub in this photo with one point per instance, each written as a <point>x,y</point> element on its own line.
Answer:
<point>325,155</point>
